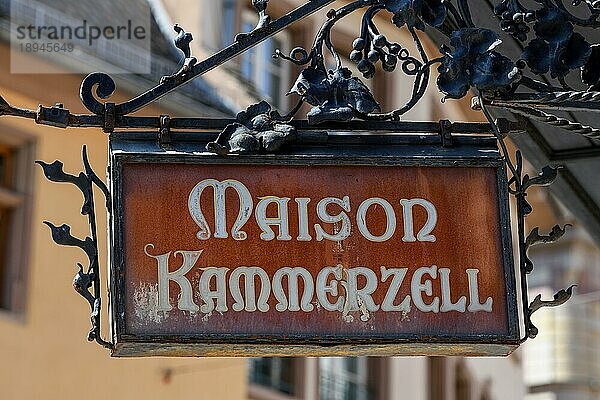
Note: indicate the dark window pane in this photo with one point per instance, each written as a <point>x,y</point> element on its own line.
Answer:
<point>352,364</point>
<point>274,373</point>
<point>228,31</point>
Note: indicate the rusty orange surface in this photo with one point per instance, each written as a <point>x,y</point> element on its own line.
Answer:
<point>468,235</point>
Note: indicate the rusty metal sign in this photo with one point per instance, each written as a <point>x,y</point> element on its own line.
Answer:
<point>326,251</point>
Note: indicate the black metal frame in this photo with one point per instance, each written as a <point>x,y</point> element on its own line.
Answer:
<point>347,150</point>
<point>469,61</point>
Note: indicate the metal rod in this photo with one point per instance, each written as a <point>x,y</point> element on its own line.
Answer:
<point>588,106</point>
<point>356,125</point>
<point>321,138</point>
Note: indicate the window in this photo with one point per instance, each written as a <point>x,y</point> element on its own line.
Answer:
<point>16,170</point>
<point>228,27</point>
<point>344,378</point>
<point>274,373</point>
<point>270,76</point>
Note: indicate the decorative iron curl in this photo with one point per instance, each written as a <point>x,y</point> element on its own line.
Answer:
<point>298,56</point>
<point>560,298</point>
<point>534,238</point>
<point>263,18</point>
<point>104,88</point>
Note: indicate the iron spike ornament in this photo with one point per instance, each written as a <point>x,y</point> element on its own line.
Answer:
<point>263,18</point>
<point>182,42</point>
<point>470,61</point>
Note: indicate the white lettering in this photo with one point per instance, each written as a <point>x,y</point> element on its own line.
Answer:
<point>398,277</point>
<point>220,213</point>
<point>303,235</point>
<point>342,217</point>
<point>323,288</point>
<point>219,295</point>
<point>447,304</point>
<point>281,221</point>
<point>363,295</point>
<point>185,301</point>
<point>249,303</point>
<point>424,234</point>
<point>418,288</point>
<point>474,304</point>
<point>361,219</point>
<point>293,276</point>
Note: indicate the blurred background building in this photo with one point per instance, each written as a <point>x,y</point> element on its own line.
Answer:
<point>43,322</point>
<point>563,362</point>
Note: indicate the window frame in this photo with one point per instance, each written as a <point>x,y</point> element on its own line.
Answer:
<point>19,198</point>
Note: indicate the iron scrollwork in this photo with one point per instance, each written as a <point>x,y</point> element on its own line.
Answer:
<point>519,184</point>
<point>560,298</point>
<point>86,283</point>
<point>182,42</point>
<point>471,60</point>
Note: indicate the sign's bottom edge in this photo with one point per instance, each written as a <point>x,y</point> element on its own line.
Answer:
<point>143,349</point>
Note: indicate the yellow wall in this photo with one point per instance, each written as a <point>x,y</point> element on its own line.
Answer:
<point>46,355</point>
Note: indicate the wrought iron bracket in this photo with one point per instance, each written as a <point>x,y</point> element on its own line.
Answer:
<point>87,280</point>
<point>470,60</point>
<point>519,184</point>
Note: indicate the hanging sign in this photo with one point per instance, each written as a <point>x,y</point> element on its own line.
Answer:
<point>323,253</point>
